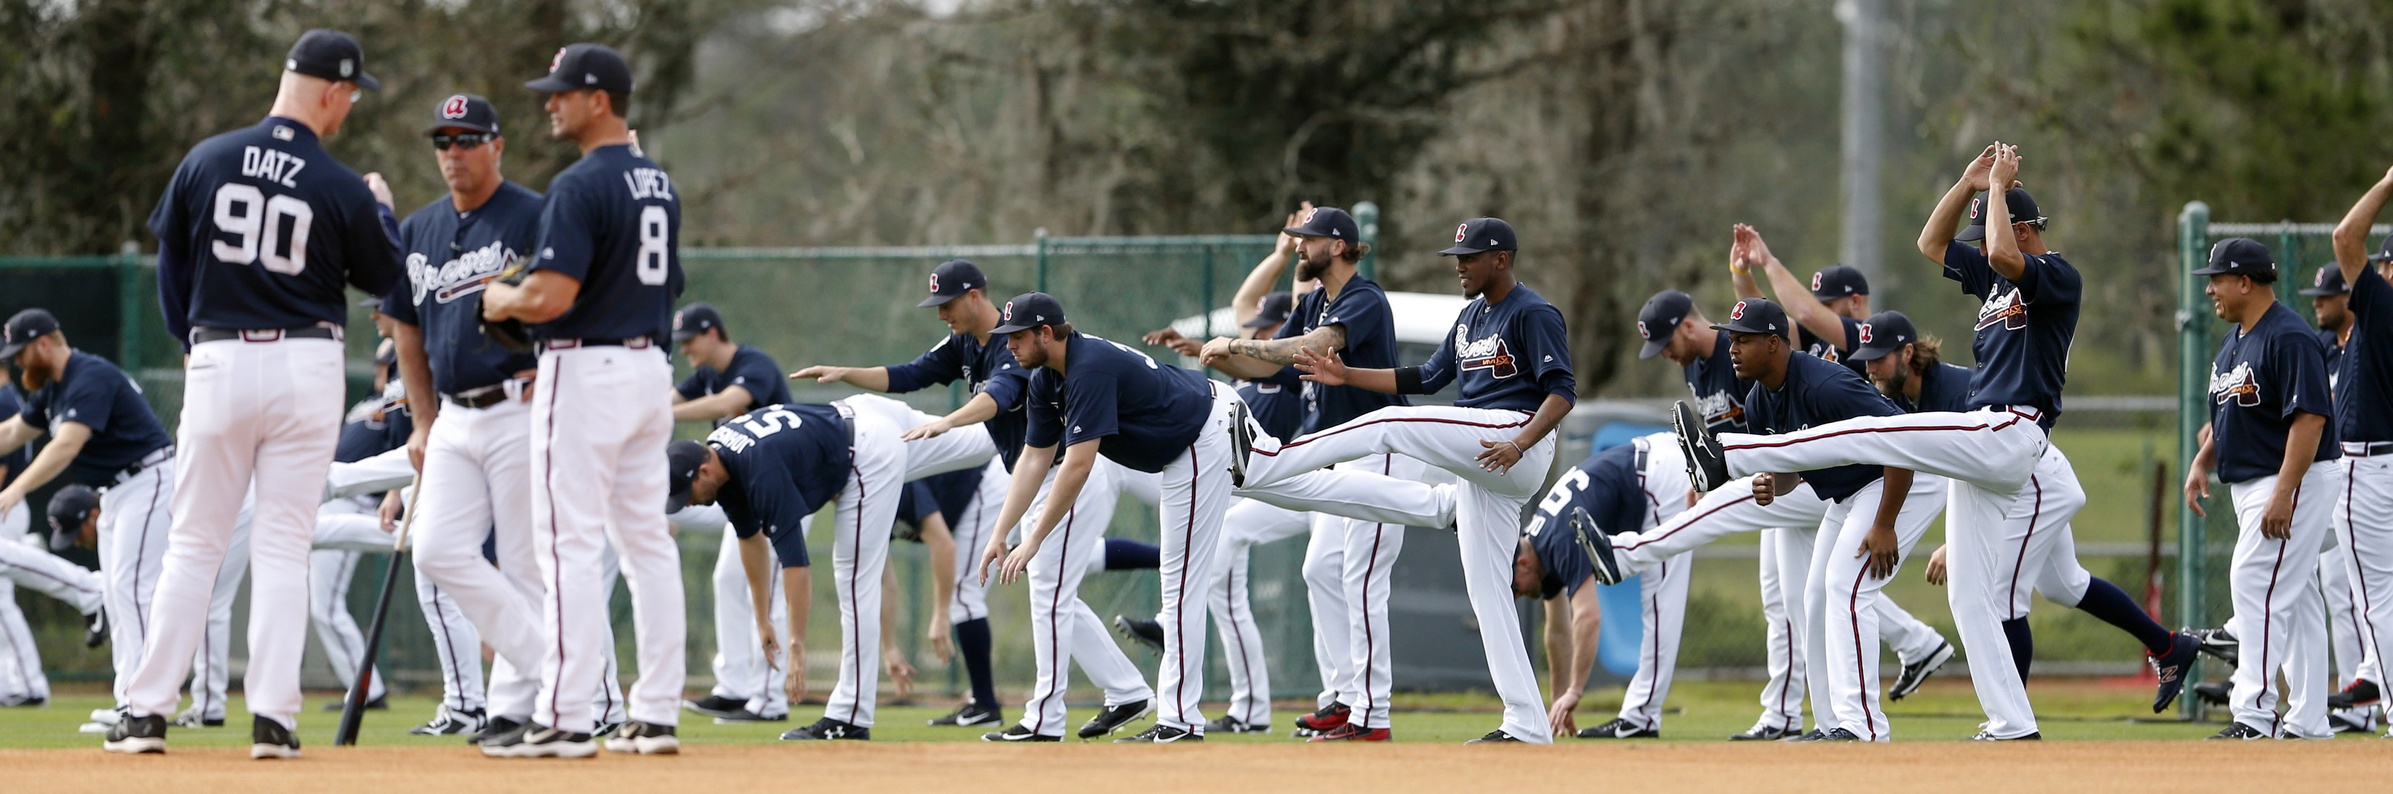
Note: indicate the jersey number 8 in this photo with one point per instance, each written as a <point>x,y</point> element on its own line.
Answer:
<point>246,213</point>
<point>654,245</point>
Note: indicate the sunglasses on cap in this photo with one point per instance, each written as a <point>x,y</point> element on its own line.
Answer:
<point>465,141</point>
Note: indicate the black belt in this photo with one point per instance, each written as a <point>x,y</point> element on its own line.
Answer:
<point>156,457</point>
<point>1642,449</point>
<point>2367,449</point>
<point>635,343</point>
<point>483,397</point>
<point>204,335</point>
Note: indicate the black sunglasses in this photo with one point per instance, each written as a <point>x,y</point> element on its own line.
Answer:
<point>466,141</point>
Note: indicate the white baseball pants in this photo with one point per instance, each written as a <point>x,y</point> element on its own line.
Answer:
<point>329,575</point>
<point>1062,627</point>
<point>30,565</point>
<point>1662,612</point>
<point>739,663</point>
<point>477,484</point>
<point>860,521</point>
<point>1195,494</point>
<point>2270,584</point>
<point>1248,524</point>
<point>135,519</point>
<point>1842,601</point>
<point>2363,525</point>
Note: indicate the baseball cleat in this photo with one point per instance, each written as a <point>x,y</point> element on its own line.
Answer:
<point>1619,729</point>
<point>1162,734</point>
<point>716,706</point>
<point>1228,724</point>
<point>1839,735</point>
<point>643,738</point>
<point>1018,733</point>
<point>1496,737</point>
<point>107,716</point>
<point>607,727</point>
<point>1760,733</point>
<point>745,716</point>
<point>27,702</point>
<point>194,718</point>
<point>2032,736</point>
<point>2362,692</point>
<point>2171,668</point>
<point>1112,718</point>
<point>970,714</point>
<point>494,728</point>
<point>1330,716</point>
<point>1242,442</point>
<point>2239,731</point>
<point>1707,462</point>
<point>1916,673</point>
<point>2219,643</point>
<point>137,735</point>
<point>1352,732</point>
<point>534,740</point>
<point>827,729</point>
<point>2352,722</point>
<point>1147,632</point>
<point>449,723</point>
<point>2214,692</point>
<point>1813,735</point>
<point>1597,545</point>
<point>97,632</point>
<point>269,739</point>
<point>1303,733</point>
<point>377,704</point>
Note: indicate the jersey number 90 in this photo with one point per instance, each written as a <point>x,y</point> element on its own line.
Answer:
<point>256,223</point>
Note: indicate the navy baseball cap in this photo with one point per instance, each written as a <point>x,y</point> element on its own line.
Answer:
<point>584,66</point>
<point>331,55</point>
<point>951,279</point>
<point>22,329</point>
<point>69,507</point>
<point>1660,318</point>
<point>1030,310</point>
<point>1755,316</point>
<point>2328,282</point>
<point>1482,234</point>
<point>1837,281</point>
<point>465,111</point>
<point>2239,256</point>
<point>682,459</point>
<point>1328,222</point>
<point>1273,310</point>
<point>2023,209</point>
<point>1882,334</point>
<point>695,319</point>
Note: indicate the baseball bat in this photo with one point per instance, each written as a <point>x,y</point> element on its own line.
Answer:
<point>353,712</point>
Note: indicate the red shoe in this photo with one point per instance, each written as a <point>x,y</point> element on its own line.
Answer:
<point>1351,732</point>
<point>1329,717</point>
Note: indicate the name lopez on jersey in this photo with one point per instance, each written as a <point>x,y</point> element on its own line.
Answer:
<point>465,275</point>
<point>647,183</point>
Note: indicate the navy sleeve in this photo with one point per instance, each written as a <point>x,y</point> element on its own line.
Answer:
<point>1286,378</point>
<point>2369,294</point>
<point>565,234</point>
<point>754,373</point>
<point>373,256</point>
<point>399,303</point>
<point>2300,376</point>
<point>169,222</point>
<point>692,387</point>
<point>1007,385</point>
<point>2048,282</point>
<point>1546,349</point>
<point>1439,370</point>
<point>1090,408</point>
<point>89,400</point>
<point>775,509</point>
<point>1045,426</point>
<point>943,363</point>
<point>1966,264</point>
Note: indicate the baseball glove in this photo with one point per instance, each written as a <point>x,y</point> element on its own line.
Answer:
<point>509,333</point>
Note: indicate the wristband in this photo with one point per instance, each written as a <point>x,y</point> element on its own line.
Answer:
<point>1408,380</point>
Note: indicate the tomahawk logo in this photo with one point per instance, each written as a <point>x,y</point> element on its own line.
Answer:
<point>2006,309</point>
<point>1490,354</point>
<point>1720,409</point>
<point>454,108</point>
<point>2236,384</point>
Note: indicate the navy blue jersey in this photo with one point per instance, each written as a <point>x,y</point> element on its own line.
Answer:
<point>1276,403</point>
<point>1142,415</point>
<point>260,228</point>
<point>451,256</point>
<point>1719,393</point>
<point>14,462</point>
<point>1362,309</point>
<point>945,495</point>
<point>613,223</point>
<point>750,369</point>
<point>2334,345</point>
<point>2024,328</point>
<point>1816,392</point>
<point>989,369</point>
<point>374,426</point>
<point>1838,351</point>
<point>1943,389</point>
<point>1508,355</point>
<point>93,392</point>
<point>2258,383</point>
<point>1609,486</point>
<point>785,462</point>
<point>2364,375</point>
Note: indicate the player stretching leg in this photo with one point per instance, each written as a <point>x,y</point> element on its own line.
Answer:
<point>599,300</point>
<point>25,563</point>
<point>2364,508</point>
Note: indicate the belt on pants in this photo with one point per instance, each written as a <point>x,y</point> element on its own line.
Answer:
<point>2367,449</point>
<point>487,396</point>
<point>162,455</point>
<point>635,343</point>
<point>1642,450</point>
<point>203,335</point>
<point>847,420</point>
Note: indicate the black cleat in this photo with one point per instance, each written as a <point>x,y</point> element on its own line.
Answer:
<point>1330,716</point>
<point>716,706</point>
<point>24,703</point>
<point>269,739</point>
<point>2219,643</point>
<point>1018,733</point>
<point>1916,673</point>
<point>1597,545</point>
<point>1620,729</point>
<point>1147,632</point>
<point>97,632</point>
<point>1760,733</point>
<point>1229,724</point>
<point>1495,737</point>
<point>1707,462</point>
<point>1160,734</point>
<point>2214,692</point>
<point>450,723</point>
<point>827,729</point>
<point>1242,443</point>
<point>137,735</point>
<point>496,727</point>
<point>533,740</point>
<point>1839,735</point>
<point>643,738</point>
<point>377,704</point>
<point>2357,722</point>
<point>2170,669</point>
<point>1814,735</point>
<point>968,715</point>
<point>2239,731</point>
<point>2361,693</point>
<point>1112,718</point>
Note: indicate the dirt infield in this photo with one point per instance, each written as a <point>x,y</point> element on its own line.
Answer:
<point>977,768</point>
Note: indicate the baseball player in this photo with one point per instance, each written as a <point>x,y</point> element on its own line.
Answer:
<point>2330,298</point>
<point>2363,514</point>
<point>2268,441</point>
<point>261,310</point>
<point>1630,485</point>
<point>2012,491</point>
<point>1509,352</point>
<point>1827,315</point>
<point>728,380</point>
<point>102,435</point>
<point>1063,628</point>
<point>599,300</point>
<point>24,562</point>
<point>771,470</point>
